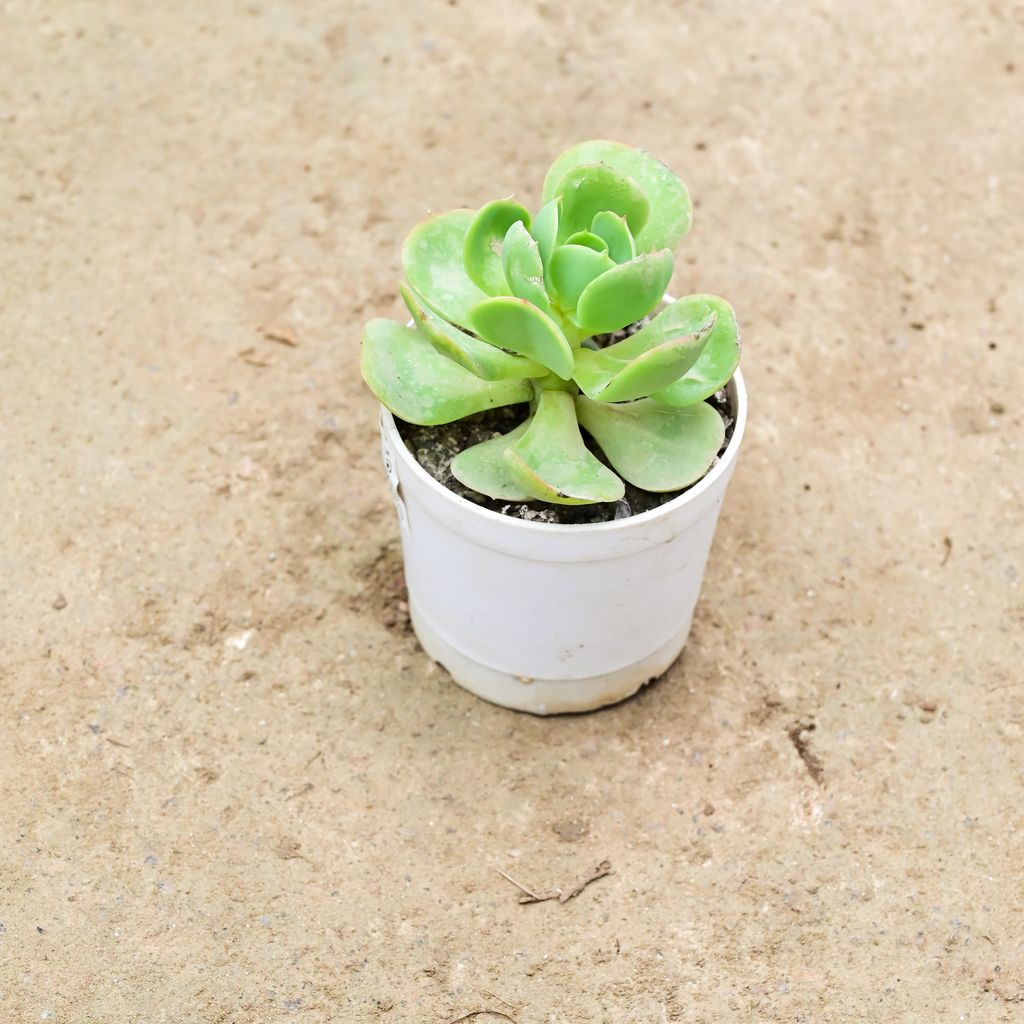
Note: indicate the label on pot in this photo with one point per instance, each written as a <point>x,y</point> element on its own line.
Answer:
<point>391,468</point>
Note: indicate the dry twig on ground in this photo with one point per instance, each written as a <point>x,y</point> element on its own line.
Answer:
<point>562,895</point>
<point>478,1013</point>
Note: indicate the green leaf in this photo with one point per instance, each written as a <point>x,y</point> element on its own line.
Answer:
<point>681,316</point>
<point>589,240</point>
<point>484,469</point>
<point>615,231</point>
<point>432,261</point>
<point>551,462</point>
<point>643,363</point>
<point>477,356</point>
<point>420,385</point>
<point>572,269</point>
<point>545,228</point>
<point>515,324</point>
<point>625,293</point>
<point>588,189</point>
<point>670,212</point>
<point>482,248</point>
<point>717,362</point>
<point>523,267</point>
<point>652,445</point>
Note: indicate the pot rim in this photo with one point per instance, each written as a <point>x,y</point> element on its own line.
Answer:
<point>526,526</point>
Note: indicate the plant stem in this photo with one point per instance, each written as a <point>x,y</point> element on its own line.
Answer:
<point>552,382</point>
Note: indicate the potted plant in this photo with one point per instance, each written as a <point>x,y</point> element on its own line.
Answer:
<point>551,569</point>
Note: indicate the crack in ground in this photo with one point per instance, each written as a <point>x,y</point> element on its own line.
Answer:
<point>799,734</point>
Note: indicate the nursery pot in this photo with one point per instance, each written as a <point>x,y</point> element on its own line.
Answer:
<point>552,618</point>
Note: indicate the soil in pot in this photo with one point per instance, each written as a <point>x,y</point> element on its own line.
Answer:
<point>435,447</point>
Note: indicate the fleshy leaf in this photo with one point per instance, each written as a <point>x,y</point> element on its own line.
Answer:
<point>477,356</point>
<point>670,214</point>
<point>432,261</point>
<point>625,293</point>
<point>588,239</point>
<point>515,324</point>
<point>545,228</point>
<point>615,231</point>
<point>681,316</point>
<point>652,445</point>
<point>640,365</point>
<point>551,462</point>
<point>482,248</point>
<point>420,385</point>
<point>572,269</point>
<point>523,268</point>
<point>590,188</point>
<point>484,469</point>
<point>717,362</point>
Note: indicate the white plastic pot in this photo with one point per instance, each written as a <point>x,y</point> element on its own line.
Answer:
<point>549,618</point>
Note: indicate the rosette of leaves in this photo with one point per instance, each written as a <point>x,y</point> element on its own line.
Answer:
<point>505,305</point>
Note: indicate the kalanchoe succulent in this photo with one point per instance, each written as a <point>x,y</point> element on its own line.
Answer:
<point>504,308</point>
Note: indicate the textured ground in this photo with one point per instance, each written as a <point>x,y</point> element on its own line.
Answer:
<point>234,790</point>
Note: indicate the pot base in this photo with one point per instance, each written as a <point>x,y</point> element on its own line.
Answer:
<point>545,696</point>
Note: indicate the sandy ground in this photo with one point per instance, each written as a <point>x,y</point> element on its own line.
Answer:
<point>234,790</point>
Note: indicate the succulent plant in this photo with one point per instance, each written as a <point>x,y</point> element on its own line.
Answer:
<point>505,307</point>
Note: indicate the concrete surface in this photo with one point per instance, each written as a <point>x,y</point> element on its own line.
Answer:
<point>233,788</point>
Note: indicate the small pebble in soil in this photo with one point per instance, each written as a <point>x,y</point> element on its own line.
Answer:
<point>435,447</point>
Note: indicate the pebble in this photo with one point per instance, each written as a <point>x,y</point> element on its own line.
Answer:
<point>240,642</point>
